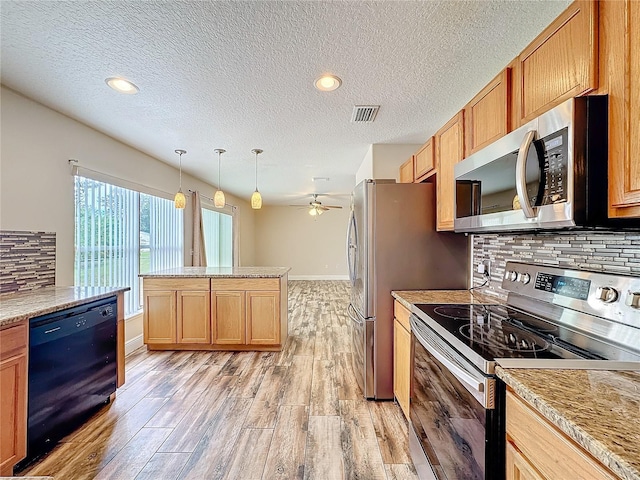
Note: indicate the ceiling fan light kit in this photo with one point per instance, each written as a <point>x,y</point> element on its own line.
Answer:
<point>180,201</point>
<point>218,199</point>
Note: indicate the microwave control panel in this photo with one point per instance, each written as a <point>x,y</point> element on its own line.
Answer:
<point>555,167</point>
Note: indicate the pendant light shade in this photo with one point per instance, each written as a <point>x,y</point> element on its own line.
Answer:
<point>218,198</point>
<point>180,201</point>
<point>256,198</point>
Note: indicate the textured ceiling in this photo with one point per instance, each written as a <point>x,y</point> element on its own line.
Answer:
<point>239,75</point>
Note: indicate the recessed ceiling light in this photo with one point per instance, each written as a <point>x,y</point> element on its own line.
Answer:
<point>121,85</point>
<point>328,83</point>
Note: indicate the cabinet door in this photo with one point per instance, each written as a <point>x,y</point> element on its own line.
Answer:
<point>159,316</point>
<point>488,115</point>
<point>620,68</point>
<point>401,366</point>
<point>449,151</point>
<point>518,468</point>
<point>13,397</point>
<point>424,161</point>
<point>263,318</point>
<point>194,325</point>
<point>228,317</point>
<point>406,171</point>
<point>561,62</point>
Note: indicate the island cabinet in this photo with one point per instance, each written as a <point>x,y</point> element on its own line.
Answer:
<point>537,450</point>
<point>402,356</point>
<point>449,151</point>
<point>215,313</point>
<point>246,312</point>
<point>13,396</point>
<point>176,311</point>
<point>562,62</point>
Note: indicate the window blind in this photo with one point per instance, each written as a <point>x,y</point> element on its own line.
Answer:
<point>218,238</point>
<point>120,233</point>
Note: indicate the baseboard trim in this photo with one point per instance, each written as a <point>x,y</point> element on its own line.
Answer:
<point>133,344</point>
<point>318,277</point>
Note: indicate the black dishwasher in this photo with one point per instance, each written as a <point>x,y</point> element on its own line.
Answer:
<point>72,370</point>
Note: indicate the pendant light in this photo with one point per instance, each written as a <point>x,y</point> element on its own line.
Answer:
<point>256,198</point>
<point>218,198</point>
<point>180,201</point>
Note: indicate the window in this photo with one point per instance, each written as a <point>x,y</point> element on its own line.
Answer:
<point>120,233</point>
<point>217,228</point>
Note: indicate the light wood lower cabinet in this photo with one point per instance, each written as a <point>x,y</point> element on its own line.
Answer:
<point>402,357</point>
<point>13,397</point>
<point>221,314</point>
<point>538,450</point>
<point>228,317</point>
<point>263,318</point>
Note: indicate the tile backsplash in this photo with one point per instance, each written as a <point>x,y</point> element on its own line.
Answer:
<point>607,252</point>
<point>27,260</point>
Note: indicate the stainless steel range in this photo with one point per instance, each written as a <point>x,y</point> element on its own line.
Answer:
<point>553,318</point>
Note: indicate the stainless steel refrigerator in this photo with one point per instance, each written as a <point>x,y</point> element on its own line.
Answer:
<point>392,244</point>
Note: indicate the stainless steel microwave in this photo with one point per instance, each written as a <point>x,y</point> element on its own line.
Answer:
<point>550,173</point>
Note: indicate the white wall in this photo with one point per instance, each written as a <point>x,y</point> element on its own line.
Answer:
<point>36,185</point>
<point>314,247</point>
<point>384,160</point>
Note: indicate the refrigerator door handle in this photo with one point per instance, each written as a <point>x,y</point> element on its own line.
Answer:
<point>352,247</point>
<point>353,315</point>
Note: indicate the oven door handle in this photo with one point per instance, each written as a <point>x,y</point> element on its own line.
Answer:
<point>521,174</point>
<point>465,377</point>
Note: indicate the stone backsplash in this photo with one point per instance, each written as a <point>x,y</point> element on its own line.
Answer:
<point>27,260</point>
<point>607,252</point>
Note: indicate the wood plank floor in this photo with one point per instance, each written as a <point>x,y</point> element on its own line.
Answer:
<point>295,414</point>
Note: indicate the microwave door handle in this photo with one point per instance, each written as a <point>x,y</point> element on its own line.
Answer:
<point>521,175</point>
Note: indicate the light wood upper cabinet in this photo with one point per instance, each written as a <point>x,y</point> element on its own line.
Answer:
<point>263,318</point>
<point>424,161</point>
<point>488,115</point>
<point>159,316</point>
<point>228,317</point>
<point>193,321</point>
<point>540,451</point>
<point>620,78</point>
<point>402,356</point>
<point>13,397</point>
<point>562,62</point>
<point>406,171</point>
<point>449,151</point>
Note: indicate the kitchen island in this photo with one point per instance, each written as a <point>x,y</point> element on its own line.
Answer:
<point>216,308</point>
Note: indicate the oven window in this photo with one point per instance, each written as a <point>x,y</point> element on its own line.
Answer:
<point>449,422</point>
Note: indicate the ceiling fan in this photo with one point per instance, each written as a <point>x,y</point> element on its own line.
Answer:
<point>316,207</point>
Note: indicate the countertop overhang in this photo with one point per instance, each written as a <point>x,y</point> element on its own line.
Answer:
<point>20,306</point>
<point>219,272</point>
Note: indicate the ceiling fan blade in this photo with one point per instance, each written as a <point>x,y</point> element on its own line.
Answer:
<point>332,206</point>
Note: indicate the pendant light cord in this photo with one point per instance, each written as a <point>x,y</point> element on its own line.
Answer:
<point>180,171</point>
<point>256,171</point>
<point>219,181</point>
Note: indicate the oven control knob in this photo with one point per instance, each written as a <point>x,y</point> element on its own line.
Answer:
<point>607,294</point>
<point>524,278</point>
<point>511,275</point>
<point>633,299</point>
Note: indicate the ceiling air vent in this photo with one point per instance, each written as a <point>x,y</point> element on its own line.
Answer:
<point>364,113</point>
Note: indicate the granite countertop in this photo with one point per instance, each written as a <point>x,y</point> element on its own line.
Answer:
<point>19,306</point>
<point>599,409</point>
<point>410,297</point>
<point>221,272</point>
